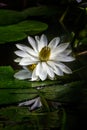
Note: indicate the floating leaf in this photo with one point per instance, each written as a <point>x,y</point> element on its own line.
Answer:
<point>10,17</point>
<point>41,11</point>
<point>10,36</point>
<point>20,31</point>
<point>29,27</point>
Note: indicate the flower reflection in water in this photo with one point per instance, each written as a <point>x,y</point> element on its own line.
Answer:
<point>32,104</point>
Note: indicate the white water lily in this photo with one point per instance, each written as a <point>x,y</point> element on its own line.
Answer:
<point>43,60</point>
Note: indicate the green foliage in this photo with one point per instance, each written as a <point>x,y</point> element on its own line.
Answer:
<point>84,41</point>
<point>41,11</point>
<point>10,36</point>
<point>30,27</point>
<point>8,17</point>
<point>13,91</point>
<point>20,31</point>
<point>70,90</point>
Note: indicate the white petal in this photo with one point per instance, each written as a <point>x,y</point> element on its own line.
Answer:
<point>59,48</point>
<point>49,70</point>
<point>27,49</point>
<point>23,74</point>
<point>56,53</point>
<point>28,61</point>
<point>66,52</point>
<point>38,42</point>
<point>37,38</point>
<point>41,72</point>
<point>62,47</point>
<point>17,60</point>
<point>34,76</point>
<point>31,51</point>
<point>65,58</point>
<point>54,42</point>
<point>32,43</point>
<point>21,53</point>
<point>20,46</point>
<point>64,68</point>
<point>56,69</point>
<point>62,58</point>
<point>41,42</point>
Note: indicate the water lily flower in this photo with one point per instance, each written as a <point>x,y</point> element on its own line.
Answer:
<point>42,60</point>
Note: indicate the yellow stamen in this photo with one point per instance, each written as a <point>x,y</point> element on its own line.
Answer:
<point>31,67</point>
<point>44,54</point>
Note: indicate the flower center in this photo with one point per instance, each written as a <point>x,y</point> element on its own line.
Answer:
<point>31,67</point>
<point>44,54</point>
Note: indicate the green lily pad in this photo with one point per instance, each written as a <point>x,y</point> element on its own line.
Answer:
<point>10,36</point>
<point>20,31</point>
<point>9,17</point>
<point>30,27</point>
<point>41,11</point>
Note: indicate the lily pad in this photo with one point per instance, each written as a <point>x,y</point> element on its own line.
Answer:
<point>9,17</point>
<point>30,27</point>
<point>20,31</point>
<point>10,36</point>
<point>41,11</point>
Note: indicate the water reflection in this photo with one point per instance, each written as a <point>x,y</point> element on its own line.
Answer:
<point>32,104</point>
